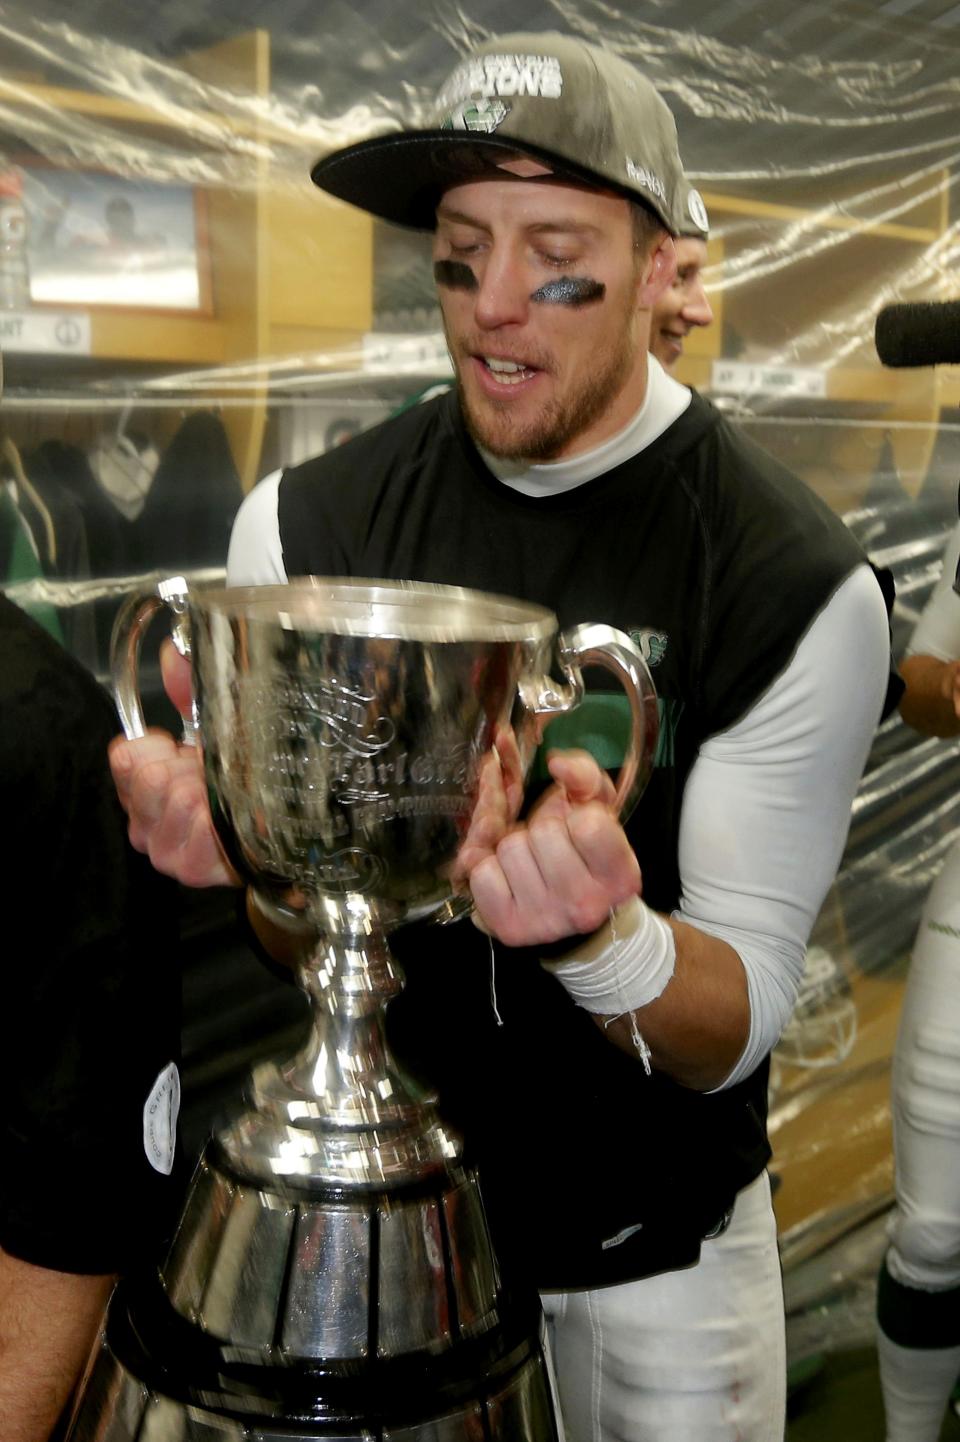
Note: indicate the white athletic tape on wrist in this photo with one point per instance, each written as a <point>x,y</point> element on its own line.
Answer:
<point>622,967</point>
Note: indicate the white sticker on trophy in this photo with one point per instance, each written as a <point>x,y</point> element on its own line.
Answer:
<point>160,1112</point>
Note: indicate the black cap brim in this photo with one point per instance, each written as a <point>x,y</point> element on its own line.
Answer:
<point>400,177</point>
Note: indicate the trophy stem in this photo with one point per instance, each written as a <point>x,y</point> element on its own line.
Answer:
<point>341,1111</point>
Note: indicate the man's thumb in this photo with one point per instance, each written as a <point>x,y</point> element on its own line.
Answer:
<point>580,776</point>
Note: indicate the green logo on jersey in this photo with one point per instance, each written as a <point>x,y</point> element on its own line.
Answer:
<point>651,644</point>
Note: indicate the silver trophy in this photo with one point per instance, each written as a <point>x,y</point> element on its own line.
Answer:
<point>332,1275</point>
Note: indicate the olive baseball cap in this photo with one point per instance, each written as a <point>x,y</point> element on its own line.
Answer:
<point>583,113</point>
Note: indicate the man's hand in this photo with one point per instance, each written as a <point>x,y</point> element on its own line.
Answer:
<point>950,686</point>
<point>931,702</point>
<point>562,871</point>
<point>162,789</point>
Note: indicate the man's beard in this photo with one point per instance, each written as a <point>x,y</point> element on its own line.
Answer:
<point>549,433</point>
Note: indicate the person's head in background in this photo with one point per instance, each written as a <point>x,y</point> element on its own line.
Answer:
<point>683,305</point>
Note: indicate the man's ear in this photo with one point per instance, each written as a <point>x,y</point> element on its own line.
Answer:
<point>659,271</point>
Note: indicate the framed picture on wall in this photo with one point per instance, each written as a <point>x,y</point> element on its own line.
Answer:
<point>94,239</point>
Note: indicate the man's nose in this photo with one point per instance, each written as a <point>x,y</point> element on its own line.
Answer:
<point>503,294</point>
<point>696,307</point>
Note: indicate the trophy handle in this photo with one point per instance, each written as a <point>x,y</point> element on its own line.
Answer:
<point>598,645</point>
<point>129,628</point>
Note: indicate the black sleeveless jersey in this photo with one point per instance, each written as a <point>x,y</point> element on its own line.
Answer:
<point>716,560</point>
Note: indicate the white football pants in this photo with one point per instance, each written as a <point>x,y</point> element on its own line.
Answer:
<point>696,1355</point>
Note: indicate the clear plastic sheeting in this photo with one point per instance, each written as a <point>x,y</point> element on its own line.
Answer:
<point>181,312</point>
<point>824,143</point>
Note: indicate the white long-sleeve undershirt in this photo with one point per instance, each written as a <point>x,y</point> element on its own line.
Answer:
<point>766,808</point>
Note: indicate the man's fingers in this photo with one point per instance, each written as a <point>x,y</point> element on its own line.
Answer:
<point>162,788</point>
<point>489,821</point>
<point>179,838</point>
<point>606,853</point>
<point>558,876</point>
<point>149,791</point>
<point>588,864</point>
<point>127,757</point>
<point>580,776</point>
<point>150,797</point>
<point>510,769</point>
<point>177,678</point>
<point>171,799</point>
<point>493,900</point>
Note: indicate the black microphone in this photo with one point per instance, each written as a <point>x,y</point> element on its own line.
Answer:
<point>926,333</point>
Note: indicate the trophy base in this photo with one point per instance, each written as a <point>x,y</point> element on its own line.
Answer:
<point>122,1404</point>
<point>286,1315</point>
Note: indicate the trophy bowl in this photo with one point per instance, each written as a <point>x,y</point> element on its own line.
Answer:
<point>345,726</point>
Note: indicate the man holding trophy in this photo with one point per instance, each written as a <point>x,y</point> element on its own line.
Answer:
<point>600,1036</point>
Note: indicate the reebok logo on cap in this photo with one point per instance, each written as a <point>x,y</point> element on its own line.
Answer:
<point>646,178</point>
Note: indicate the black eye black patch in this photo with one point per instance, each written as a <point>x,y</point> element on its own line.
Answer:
<point>454,275</point>
<point>570,290</point>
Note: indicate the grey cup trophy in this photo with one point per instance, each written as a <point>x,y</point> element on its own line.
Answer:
<point>332,1275</point>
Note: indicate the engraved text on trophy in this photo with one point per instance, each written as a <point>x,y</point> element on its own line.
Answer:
<point>337,786</point>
